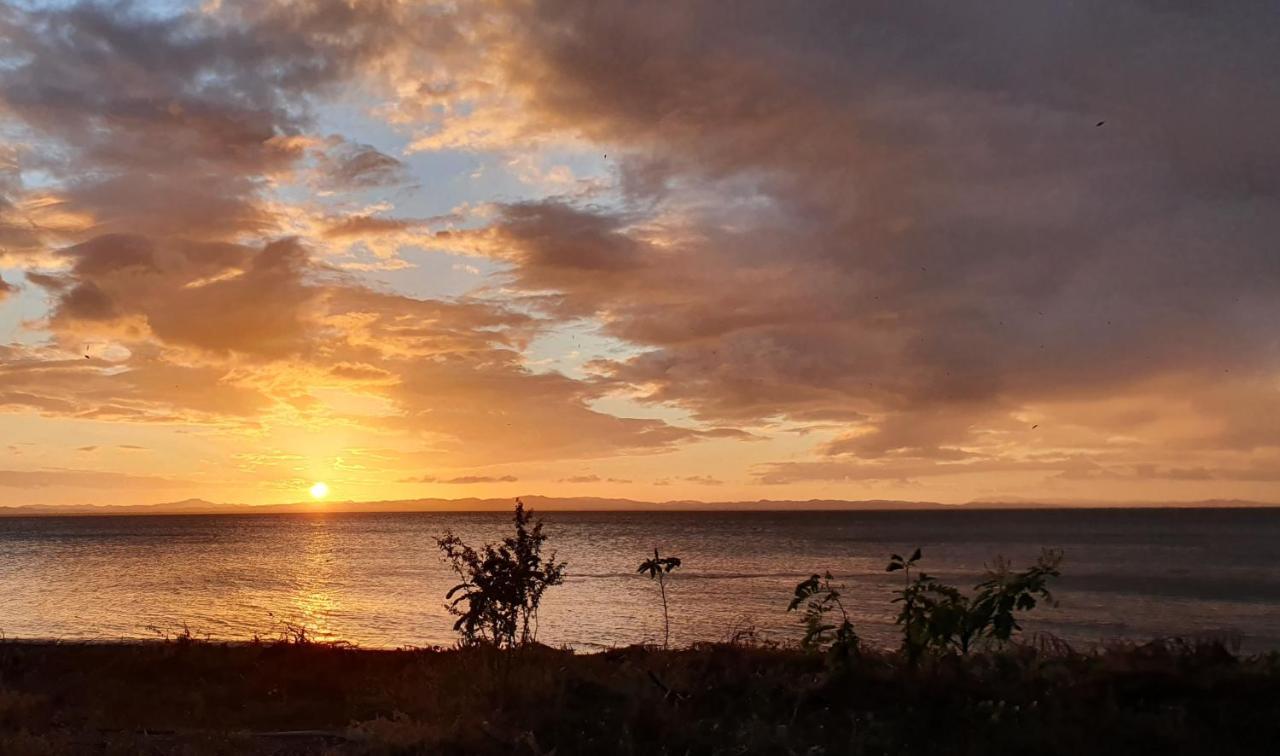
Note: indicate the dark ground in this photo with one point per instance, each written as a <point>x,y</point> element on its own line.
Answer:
<point>189,697</point>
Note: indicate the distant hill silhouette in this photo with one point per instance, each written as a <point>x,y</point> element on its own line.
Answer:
<point>584,504</point>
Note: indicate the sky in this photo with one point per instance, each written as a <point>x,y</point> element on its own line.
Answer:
<point>704,250</point>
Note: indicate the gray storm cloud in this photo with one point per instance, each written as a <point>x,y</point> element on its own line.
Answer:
<point>926,214</point>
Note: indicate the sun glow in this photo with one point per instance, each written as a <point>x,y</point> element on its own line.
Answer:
<point>319,490</point>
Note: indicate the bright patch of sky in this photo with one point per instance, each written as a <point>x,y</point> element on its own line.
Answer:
<point>569,348</point>
<point>155,8</point>
<point>27,304</point>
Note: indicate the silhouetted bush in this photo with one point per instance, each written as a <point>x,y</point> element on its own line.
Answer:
<point>939,618</point>
<point>502,586</point>
<point>821,600</point>
<point>657,569</point>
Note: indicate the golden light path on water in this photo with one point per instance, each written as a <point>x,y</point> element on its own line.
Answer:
<point>314,602</point>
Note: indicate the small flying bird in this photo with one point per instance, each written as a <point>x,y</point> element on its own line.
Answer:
<point>1099,123</point>
<point>85,349</point>
<point>1037,425</point>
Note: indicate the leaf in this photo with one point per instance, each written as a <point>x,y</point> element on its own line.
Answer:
<point>804,590</point>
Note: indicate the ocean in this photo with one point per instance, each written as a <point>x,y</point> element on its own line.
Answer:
<point>377,580</point>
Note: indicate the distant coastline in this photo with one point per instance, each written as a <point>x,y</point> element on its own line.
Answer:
<point>591,504</point>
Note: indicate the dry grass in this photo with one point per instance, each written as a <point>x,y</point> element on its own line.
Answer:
<point>191,697</point>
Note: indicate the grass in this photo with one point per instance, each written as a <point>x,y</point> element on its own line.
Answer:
<point>186,696</point>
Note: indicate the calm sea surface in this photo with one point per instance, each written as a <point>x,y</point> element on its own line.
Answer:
<point>376,579</point>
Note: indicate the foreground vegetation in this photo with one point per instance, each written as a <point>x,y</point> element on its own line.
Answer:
<point>189,697</point>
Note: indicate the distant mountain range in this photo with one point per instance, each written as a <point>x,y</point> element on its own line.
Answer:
<point>583,503</point>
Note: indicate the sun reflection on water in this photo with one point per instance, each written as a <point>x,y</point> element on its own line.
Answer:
<point>314,602</point>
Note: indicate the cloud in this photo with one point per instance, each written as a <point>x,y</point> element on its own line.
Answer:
<point>366,225</point>
<point>347,165</point>
<point>147,389</point>
<point>852,470</point>
<point>6,289</point>
<point>1262,471</point>
<point>161,125</point>
<point>905,218</point>
<point>465,480</point>
<point>592,479</point>
<point>699,480</point>
<point>703,480</point>
<point>83,479</point>
<point>215,296</point>
<point>163,137</point>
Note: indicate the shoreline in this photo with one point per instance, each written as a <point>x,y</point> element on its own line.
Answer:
<point>652,508</point>
<point>197,697</point>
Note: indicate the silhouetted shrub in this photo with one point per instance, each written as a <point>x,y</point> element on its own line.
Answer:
<point>939,618</point>
<point>821,600</point>
<point>502,586</point>
<point>657,569</point>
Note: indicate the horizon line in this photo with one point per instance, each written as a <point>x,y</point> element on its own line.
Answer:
<point>592,504</point>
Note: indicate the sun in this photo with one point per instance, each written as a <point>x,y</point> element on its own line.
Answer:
<point>319,490</point>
